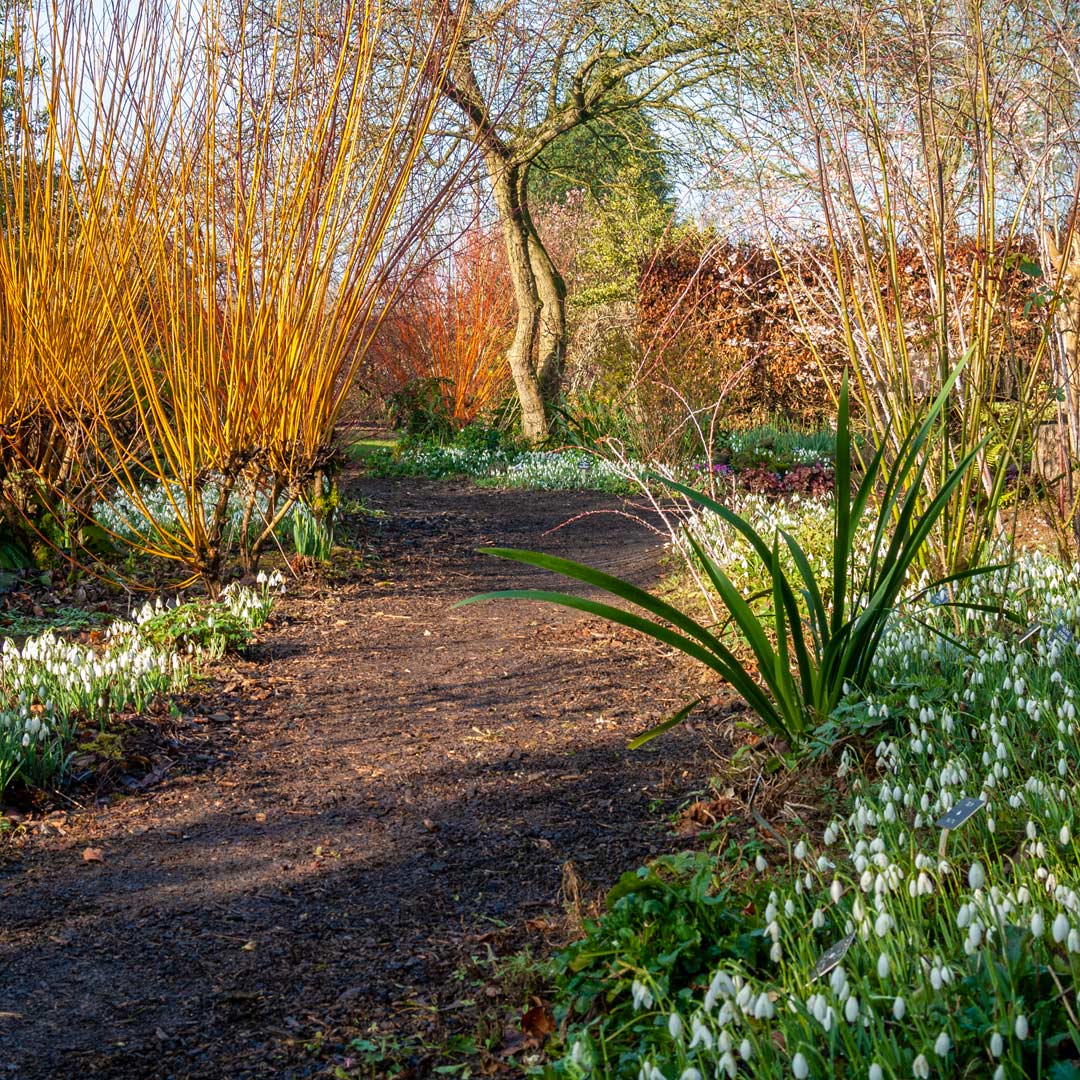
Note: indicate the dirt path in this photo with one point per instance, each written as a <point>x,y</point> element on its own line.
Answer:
<point>398,787</point>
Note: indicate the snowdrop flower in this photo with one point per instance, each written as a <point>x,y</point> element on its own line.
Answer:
<point>875,1072</point>
<point>883,966</point>
<point>899,1008</point>
<point>800,1068</point>
<point>643,998</point>
<point>943,1044</point>
<point>1037,924</point>
<point>761,864</point>
<point>1021,1027</point>
<point>701,1035</point>
<point>997,1044</point>
<point>675,1026</point>
<point>1060,929</point>
<point>920,1067</point>
<point>976,876</point>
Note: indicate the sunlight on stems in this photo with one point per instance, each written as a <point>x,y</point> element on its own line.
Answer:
<point>912,217</point>
<point>211,202</point>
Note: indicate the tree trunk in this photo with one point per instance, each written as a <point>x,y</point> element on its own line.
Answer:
<point>536,353</point>
<point>513,218</point>
<point>551,339</point>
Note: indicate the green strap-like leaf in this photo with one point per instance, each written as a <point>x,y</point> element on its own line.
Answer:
<point>716,656</point>
<point>667,725</point>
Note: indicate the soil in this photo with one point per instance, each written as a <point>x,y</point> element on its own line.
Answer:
<point>342,832</point>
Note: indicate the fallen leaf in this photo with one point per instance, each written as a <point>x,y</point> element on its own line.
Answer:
<point>249,947</point>
<point>92,854</point>
<point>538,1022</point>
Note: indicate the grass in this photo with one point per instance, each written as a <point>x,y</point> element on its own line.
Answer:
<point>363,449</point>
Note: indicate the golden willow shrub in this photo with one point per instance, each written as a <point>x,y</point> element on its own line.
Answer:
<point>209,201</point>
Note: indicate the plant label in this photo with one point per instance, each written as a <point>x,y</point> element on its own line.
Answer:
<point>832,956</point>
<point>956,817</point>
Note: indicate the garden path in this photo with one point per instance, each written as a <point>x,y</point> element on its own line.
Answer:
<point>393,789</point>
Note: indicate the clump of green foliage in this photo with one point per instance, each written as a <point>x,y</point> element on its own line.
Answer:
<point>666,928</point>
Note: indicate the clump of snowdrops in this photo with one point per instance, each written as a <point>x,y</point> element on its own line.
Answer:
<point>964,950</point>
<point>808,519</point>
<point>503,467</point>
<point>50,684</point>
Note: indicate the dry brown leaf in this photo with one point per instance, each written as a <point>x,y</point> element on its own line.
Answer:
<point>538,1022</point>
<point>93,854</point>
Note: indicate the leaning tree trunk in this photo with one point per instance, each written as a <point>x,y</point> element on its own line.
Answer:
<point>551,338</point>
<point>536,353</point>
<point>538,350</point>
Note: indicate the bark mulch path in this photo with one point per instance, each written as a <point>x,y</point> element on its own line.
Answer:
<point>384,792</point>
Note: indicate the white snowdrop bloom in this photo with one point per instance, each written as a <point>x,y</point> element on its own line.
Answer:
<point>997,1044</point>
<point>776,952</point>
<point>642,997</point>
<point>836,890</point>
<point>883,924</point>
<point>1064,836</point>
<point>761,864</point>
<point>899,1008</point>
<point>700,1035</point>
<point>690,1073</point>
<point>817,920</point>
<point>851,1009</point>
<point>746,1050</point>
<point>727,1065</point>
<point>920,1067</point>
<point>800,1067</point>
<point>675,1026</point>
<point>875,1072</point>
<point>925,885</point>
<point>1021,1027</point>
<point>1060,928</point>
<point>800,850</point>
<point>1037,924</point>
<point>883,966</point>
<point>1073,943</point>
<point>976,876</point>
<point>943,1044</point>
<point>974,938</point>
<point>999,1073</point>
